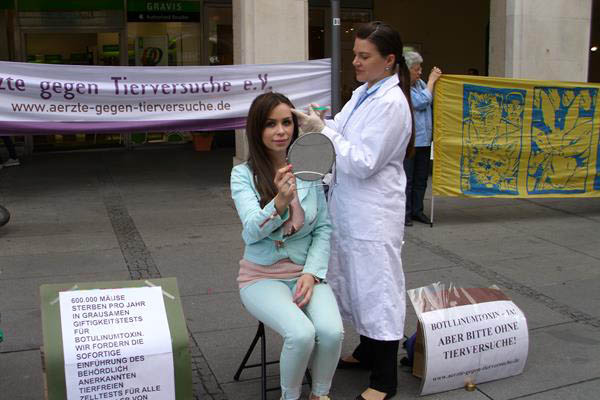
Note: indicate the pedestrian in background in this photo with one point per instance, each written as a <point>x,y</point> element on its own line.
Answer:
<point>13,160</point>
<point>473,71</point>
<point>417,166</point>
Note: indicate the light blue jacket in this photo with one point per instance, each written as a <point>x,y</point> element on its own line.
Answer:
<point>262,226</point>
<point>421,101</point>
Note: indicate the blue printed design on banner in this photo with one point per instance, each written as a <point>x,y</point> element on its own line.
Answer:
<point>561,140</point>
<point>492,133</point>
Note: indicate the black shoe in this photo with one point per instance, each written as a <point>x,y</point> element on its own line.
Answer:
<point>408,222</point>
<point>421,218</point>
<point>350,365</point>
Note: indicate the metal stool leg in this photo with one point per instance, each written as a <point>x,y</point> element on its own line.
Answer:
<point>260,335</point>
<point>263,361</point>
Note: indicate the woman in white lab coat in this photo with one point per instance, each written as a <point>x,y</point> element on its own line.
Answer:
<point>371,135</point>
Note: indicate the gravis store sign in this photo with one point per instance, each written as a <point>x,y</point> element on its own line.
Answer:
<point>45,98</point>
<point>155,6</point>
<point>155,11</point>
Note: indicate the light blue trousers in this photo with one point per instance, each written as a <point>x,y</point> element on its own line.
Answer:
<point>315,330</point>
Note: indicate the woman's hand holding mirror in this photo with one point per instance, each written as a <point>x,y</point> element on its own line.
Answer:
<point>285,181</point>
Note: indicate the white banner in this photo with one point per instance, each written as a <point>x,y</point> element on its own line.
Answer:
<point>116,344</point>
<point>46,98</point>
<point>473,343</point>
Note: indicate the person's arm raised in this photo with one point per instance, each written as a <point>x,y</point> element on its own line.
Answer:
<point>257,222</point>
<point>434,75</point>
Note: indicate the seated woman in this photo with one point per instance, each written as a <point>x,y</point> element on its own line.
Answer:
<point>286,230</point>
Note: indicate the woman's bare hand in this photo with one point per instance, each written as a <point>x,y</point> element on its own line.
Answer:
<point>285,182</point>
<point>304,289</point>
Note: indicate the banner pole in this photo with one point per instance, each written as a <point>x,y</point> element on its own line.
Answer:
<point>336,58</point>
<point>432,196</point>
<point>431,212</point>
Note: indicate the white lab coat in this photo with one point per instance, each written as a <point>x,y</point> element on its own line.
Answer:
<point>366,205</point>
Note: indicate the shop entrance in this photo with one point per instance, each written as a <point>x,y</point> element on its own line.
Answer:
<point>73,48</point>
<point>75,32</point>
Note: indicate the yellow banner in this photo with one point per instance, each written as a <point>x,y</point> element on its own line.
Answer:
<point>499,137</point>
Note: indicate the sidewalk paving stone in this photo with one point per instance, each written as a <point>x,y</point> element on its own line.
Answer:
<point>167,211</point>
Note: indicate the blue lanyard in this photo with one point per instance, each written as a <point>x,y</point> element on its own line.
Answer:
<point>368,92</point>
<point>362,98</point>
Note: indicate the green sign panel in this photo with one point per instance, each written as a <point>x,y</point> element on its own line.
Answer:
<point>163,11</point>
<point>110,48</point>
<point>69,5</point>
<point>7,4</point>
<point>54,355</point>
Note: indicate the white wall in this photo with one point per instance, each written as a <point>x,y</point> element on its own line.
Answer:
<point>270,31</point>
<point>540,39</point>
<point>264,32</point>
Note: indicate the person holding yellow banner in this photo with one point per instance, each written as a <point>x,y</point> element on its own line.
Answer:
<point>417,167</point>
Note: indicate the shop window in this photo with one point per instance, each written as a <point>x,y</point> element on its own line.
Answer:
<point>67,48</point>
<point>319,40</point>
<point>163,43</point>
<point>218,50</point>
<point>351,20</point>
<point>219,35</point>
<point>317,37</point>
<point>83,48</point>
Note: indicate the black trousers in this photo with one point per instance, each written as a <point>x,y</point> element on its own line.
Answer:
<point>417,173</point>
<point>381,356</point>
<point>10,146</point>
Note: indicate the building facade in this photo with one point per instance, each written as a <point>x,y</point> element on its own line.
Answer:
<point>538,39</point>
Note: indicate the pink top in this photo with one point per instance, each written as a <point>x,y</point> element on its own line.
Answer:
<point>282,269</point>
<point>296,220</point>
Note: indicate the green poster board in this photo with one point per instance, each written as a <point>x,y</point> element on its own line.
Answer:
<point>52,333</point>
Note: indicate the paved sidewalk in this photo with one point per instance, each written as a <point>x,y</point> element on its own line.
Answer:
<point>166,212</point>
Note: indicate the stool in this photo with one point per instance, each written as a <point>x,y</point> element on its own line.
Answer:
<point>260,335</point>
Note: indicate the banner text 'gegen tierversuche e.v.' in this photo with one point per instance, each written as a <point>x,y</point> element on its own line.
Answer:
<point>46,98</point>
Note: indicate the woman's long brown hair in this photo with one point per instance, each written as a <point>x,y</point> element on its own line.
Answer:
<point>388,41</point>
<point>259,161</point>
